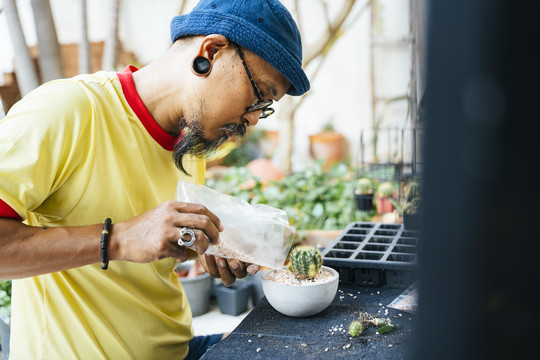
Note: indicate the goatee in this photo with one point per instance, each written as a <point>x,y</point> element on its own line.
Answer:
<point>193,143</point>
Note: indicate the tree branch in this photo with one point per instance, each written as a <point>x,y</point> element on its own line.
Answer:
<point>351,21</point>
<point>328,37</point>
<point>326,13</point>
<point>298,18</point>
<point>324,54</point>
<point>182,7</point>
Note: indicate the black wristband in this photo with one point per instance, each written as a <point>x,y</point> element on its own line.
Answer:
<point>104,243</point>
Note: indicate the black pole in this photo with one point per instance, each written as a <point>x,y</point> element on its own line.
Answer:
<point>479,267</point>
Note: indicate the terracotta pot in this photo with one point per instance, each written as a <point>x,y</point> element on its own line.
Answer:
<point>330,146</point>
<point>384,205</point>
<point>265,170</point>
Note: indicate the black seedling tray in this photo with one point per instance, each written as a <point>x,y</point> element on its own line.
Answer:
<point>369,253</point>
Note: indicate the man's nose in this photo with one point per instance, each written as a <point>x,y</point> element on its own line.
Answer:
<point>252,117</point>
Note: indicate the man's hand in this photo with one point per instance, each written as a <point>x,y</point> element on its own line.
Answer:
<point>154,235</point>
<point>227,269</point>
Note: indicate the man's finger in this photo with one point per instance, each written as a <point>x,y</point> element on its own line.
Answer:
<point>211,266</point>
<point>179,253</point>
<point>197,222</point>
<point>224,271</point>
<point>192,208</point>
<point>202,242</point>
<point>238,268</point>
<point>253,269</point>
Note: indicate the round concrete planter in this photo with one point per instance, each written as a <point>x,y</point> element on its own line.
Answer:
<point>300,300</point>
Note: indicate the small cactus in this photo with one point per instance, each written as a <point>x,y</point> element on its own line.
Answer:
<point>413,207</point>
<point>363,186</point>
<point>413,191</point>
<point>305,261</point>
<point>386,189</point>
<point>356,328</point>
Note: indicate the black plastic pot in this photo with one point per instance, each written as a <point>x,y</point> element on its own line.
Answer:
<point>364,202</point>
<point>412,222</point>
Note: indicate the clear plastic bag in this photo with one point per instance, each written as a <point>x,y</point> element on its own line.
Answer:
<point>258,234</point>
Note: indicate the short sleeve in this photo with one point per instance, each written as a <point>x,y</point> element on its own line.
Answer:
<point>41,142</point>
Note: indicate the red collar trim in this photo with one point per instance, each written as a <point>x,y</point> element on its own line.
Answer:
<point>8,212</point>
<point>164,139</point>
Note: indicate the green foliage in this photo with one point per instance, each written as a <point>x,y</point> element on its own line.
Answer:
<point>312,199</point>
<point>305,261</point>
<point>246,151</point>
<point>364,186</point>
<point>384,329</point>
<point>5,293</point>
<point>328,127</point>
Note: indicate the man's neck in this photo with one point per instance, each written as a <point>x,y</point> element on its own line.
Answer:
<point>160,94</point>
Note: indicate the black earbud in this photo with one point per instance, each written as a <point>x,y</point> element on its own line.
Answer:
<point>201,65</point>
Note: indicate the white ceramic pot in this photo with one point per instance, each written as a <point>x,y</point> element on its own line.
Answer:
<point>300,300</point>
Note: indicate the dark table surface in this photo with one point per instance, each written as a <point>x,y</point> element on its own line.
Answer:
<point>267,334</point>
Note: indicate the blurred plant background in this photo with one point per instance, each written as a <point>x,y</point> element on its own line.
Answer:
<point>313,199</point>
<point>5,298</point>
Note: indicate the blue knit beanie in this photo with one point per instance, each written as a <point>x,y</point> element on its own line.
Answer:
<point>265,27</point>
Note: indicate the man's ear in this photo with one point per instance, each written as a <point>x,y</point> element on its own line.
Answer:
<point>211,45</point>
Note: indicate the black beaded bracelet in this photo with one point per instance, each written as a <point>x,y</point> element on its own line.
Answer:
<point>104,242</point>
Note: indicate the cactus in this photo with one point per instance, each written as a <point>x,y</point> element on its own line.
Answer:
<point>385,190</point>
<point>363,186</point>
<point>413,207</point>
<point>305,261</point>
<point>356,328</point>
<point>413,191</point>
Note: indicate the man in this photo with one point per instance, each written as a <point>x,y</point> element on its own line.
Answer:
<point>75,152</point>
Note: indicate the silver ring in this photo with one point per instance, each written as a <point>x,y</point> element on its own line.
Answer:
<point>184,231</point>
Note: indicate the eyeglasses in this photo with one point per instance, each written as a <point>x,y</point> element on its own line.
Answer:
<point>260,104</point>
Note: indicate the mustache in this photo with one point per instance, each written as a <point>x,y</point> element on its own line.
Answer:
<point>194,143</point>
<point>238,130</point>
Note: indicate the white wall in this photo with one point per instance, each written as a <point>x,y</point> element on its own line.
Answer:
<point>341,91</point>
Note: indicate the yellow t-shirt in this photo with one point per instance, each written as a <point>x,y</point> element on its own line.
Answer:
<point>74,152</point>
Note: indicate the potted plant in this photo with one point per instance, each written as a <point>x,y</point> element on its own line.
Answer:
<point>329,145</point>
<point>411,207</point>
<point>364,194</point>
<point>234,299</point>
<point>384,196</point>
<point>197,285</point>
<point>5,315</point>
<point>302,288</point>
